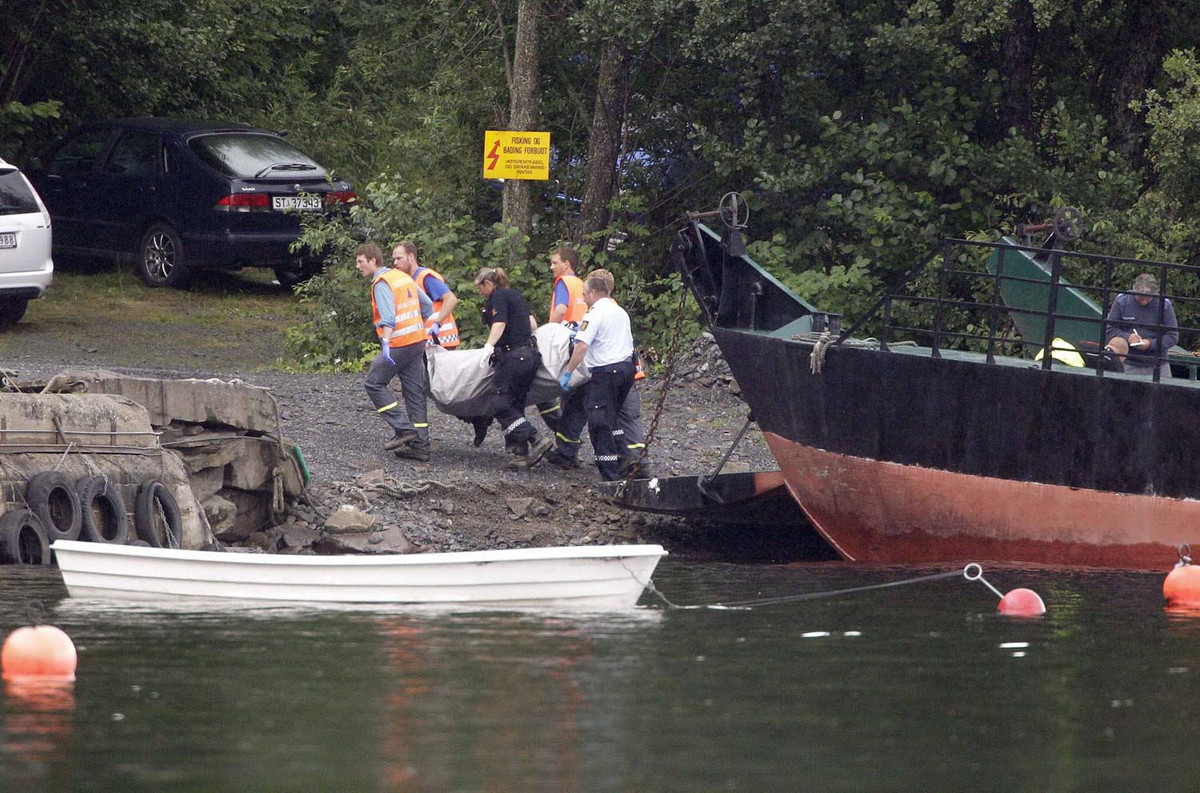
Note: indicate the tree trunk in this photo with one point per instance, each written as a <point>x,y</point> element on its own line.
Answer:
<point>1132,68</point>
<point>523,100</point>
<point>1016,101</point>
<point>604,143</point>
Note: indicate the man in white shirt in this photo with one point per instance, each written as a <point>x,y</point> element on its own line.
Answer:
<point>605,343</point>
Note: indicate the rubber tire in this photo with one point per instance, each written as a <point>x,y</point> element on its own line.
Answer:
<point>160,257</point>
<point>22,538</point>
<point>151,495</point>
<point>103,511</point>
<point>51,496</point>
<point>12,309</point>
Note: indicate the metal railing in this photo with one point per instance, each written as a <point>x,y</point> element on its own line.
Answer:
<point>964,309</point>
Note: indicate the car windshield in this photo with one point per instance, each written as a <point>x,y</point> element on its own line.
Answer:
<point>248,155</point>
<point>15,196</point>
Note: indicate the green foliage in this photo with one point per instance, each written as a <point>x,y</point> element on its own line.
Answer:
<point>863,133</point>
<point>448,240</point>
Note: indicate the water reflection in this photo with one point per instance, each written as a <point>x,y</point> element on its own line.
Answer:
<point>38,720</point>
<point>914,688</point>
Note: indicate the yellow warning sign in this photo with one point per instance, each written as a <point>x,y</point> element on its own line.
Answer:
<point>509,154</point>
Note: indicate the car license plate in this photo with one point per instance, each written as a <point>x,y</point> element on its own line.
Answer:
<point>299,203</point>
<point>8,239</point>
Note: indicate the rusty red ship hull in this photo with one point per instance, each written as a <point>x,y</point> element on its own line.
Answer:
<point>909,454</point>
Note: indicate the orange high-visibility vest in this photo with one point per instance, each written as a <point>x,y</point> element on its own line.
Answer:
<point>448,334</point>
<point>576,305</point>
<point>409,328</point>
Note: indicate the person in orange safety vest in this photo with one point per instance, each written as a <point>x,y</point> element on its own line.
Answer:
<point>629,434</point>
<point>398,308</point>
<point>442,327</point>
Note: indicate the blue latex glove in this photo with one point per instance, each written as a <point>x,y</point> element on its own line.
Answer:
<point>386,350</point>
<point>564,380</point>
<point>435,329</point>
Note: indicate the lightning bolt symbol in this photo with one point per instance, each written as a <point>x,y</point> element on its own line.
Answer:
<point>493,156</point>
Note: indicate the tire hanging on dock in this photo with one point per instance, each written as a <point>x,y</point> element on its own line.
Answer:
<point>51,496</point>
<point>23,539</point>
<point>104,518</point>
<point>156,515</point>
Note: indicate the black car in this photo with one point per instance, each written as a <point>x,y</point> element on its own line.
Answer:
<point>181,195</point>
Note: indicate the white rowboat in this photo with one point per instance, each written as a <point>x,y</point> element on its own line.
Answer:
<point>608,576</point>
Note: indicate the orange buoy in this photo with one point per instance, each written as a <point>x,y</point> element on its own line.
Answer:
<point>1182,586</point>
<point>43,651</point>
<point>1022,603</point>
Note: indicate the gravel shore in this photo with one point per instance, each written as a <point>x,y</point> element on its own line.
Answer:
<point>467,498</point>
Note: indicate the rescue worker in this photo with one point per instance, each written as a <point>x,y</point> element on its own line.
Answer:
<point>567,307</point>
<point>516,360</point>
<point>441,325</point>
<point>605,343</point>
<point>629,434</point>
<point>398,306</point>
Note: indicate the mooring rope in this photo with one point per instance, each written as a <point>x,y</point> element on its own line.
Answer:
<point>968,572</point>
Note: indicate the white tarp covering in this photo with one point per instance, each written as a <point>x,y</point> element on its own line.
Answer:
<point>460,380</point>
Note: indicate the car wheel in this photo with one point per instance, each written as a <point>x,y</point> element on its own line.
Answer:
<point>160,257</point>
<point>11,310</point>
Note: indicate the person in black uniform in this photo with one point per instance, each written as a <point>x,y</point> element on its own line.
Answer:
<point>516,361</point>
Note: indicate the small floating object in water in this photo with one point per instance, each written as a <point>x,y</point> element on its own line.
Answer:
<point>1019,602</point>
<point>38,651</point>
<point>1022,603</point>
<point>1182,585</point>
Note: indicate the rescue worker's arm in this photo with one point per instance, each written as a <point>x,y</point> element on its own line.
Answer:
<point>385,303</point>
<point>532,323</point>
<point>449,302</point>
<point>561,296</point>
<point>577,355</point>
<point>494,334</point>
<point>426,304</point>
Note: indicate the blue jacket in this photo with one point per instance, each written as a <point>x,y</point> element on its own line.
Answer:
<point>1126,316</point>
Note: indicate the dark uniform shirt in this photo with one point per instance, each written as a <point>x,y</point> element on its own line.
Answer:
<point>507,306</point>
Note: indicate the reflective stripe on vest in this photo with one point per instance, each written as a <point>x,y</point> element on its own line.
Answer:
<point>409,329</point>
<point>448,333</point>
<point>576,305</point>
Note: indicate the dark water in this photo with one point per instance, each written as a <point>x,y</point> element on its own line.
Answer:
<point>921,688</point>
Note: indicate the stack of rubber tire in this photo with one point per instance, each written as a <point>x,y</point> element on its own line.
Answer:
<point>90,509</point>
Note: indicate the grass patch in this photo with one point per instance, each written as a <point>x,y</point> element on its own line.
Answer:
<point>103,313</point>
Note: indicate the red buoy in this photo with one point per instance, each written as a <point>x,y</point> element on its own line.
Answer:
<point>42,652</point>
<point>1182,586</point>
<point>1022,603</point>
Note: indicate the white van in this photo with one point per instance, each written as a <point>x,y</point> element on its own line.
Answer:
<point>26,267</point>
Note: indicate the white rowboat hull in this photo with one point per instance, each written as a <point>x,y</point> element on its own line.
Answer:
<point>610,576</point>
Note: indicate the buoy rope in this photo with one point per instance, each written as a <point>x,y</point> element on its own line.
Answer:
<point>746,605</point>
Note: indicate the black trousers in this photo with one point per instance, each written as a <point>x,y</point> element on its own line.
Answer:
<point>603,396</point>
<point>515,370</point>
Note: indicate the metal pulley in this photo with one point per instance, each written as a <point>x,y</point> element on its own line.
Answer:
<point>1065,226</point>
<point>734,212</point>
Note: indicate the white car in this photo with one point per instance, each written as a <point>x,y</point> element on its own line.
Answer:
<point>26,267</point>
